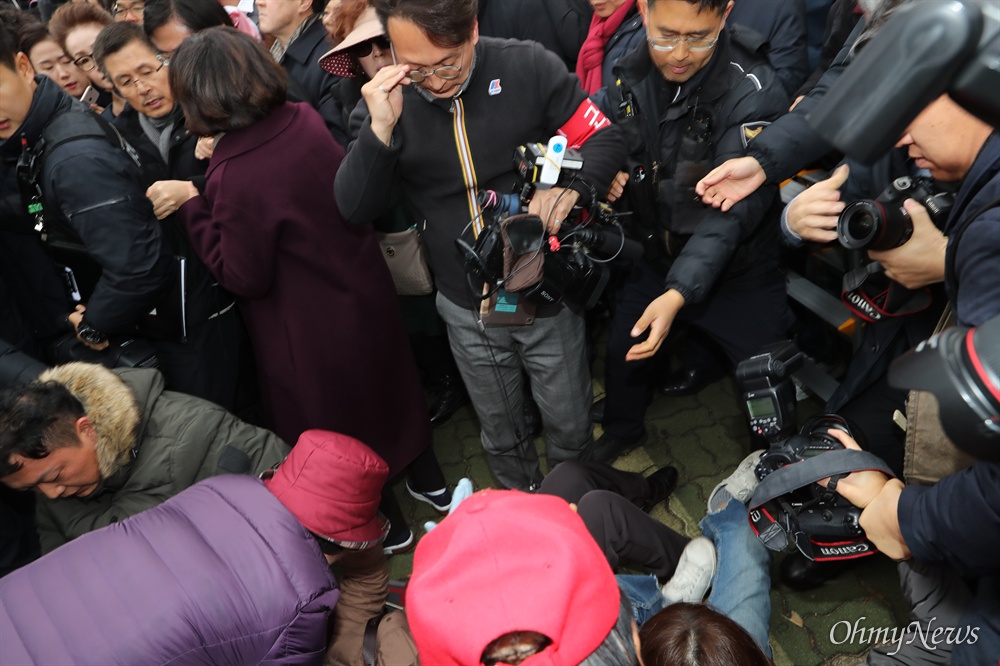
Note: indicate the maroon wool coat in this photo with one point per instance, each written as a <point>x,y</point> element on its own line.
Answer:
<point>315,293</point>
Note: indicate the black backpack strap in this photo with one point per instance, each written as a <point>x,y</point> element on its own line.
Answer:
<point>77,124</point>
<point>369,647</point>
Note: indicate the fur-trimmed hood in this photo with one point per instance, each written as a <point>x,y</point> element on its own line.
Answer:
<point>111,406</point>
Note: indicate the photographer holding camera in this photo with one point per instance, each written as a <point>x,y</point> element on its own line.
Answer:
<point>443,121</point>
<point>948,535</point>
<point>959,150</point>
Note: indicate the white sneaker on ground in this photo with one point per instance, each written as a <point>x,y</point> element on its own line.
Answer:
<point>693,574</point>
<point>740,484</point>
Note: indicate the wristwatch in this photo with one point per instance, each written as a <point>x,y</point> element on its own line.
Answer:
<point>89,334</point>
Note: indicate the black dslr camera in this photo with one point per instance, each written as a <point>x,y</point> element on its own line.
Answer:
<point>789,503</point>
<point>882,223</point>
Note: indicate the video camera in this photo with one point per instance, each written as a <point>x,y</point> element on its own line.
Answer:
<point>788,504</point>
<point>573,262</point>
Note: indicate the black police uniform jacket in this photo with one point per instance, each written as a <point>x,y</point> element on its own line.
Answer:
<point>674,136</point>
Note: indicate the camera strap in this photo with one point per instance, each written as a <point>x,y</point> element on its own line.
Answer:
<point>873,296</point>
<point>776,527</point>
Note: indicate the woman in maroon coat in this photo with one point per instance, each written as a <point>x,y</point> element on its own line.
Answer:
<point>314,291</point>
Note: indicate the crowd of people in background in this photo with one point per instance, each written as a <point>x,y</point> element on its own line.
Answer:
<point>212,372</point>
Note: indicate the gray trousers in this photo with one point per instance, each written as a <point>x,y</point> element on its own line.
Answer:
<point>938,598</point>
<point>553,353</point>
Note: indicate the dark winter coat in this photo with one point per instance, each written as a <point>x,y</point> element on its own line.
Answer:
<point>301,63</point>
<point>741,93</point>
<point>558,25</point>
<point>205,297</point>
<point>790,143</point>
<point>629,36</point>
<point>94,192</point>
<point>151,445</point>
<point>222,573</point>
<point>972,260</point>
<point>783,25</point>
<point>315,293</point>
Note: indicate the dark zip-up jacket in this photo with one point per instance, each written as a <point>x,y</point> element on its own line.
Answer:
<point>741,93</point>
<point>791,143</point>
<point>517,92</point>
<point>972,259</point>
<point>629,36</point>
<point>204,295</point>
<point>558,25</point>
<point>301,63</point>
<point>96,192</point>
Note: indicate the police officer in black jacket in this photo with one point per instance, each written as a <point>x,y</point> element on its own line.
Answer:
<point>694,98</point>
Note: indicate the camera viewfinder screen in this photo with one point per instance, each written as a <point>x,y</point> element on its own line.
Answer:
<point>760,408</point>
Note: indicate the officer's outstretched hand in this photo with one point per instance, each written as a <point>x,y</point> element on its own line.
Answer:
<point>658,318</point>
<point>731,182</point>
<point>384,98</point>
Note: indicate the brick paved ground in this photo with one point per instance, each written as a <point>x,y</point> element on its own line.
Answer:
<point>704,436</point>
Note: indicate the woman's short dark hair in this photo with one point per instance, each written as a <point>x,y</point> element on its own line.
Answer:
<point>74,14</point>
<point>447,23</point>
<point>195,15</point>
<point>225,81</point>
<point>696,635</point>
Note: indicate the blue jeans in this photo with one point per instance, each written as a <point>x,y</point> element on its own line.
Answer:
<point>742,582</point>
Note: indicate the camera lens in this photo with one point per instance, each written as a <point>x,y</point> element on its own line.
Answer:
<point>859,224</point>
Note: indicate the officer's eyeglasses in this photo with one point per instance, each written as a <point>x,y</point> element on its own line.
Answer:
<point>695,44</point>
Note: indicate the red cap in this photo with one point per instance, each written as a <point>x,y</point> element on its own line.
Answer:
<point>333,484</point>
<point>510,561</point>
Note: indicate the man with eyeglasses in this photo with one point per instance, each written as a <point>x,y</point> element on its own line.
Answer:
<point>128,11</point>
<point>695,97</point>
<point>206,362</point>
<point>444,122</point>
<point>299,40</point>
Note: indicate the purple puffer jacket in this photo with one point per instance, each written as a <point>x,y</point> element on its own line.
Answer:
<point>221,573</point>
